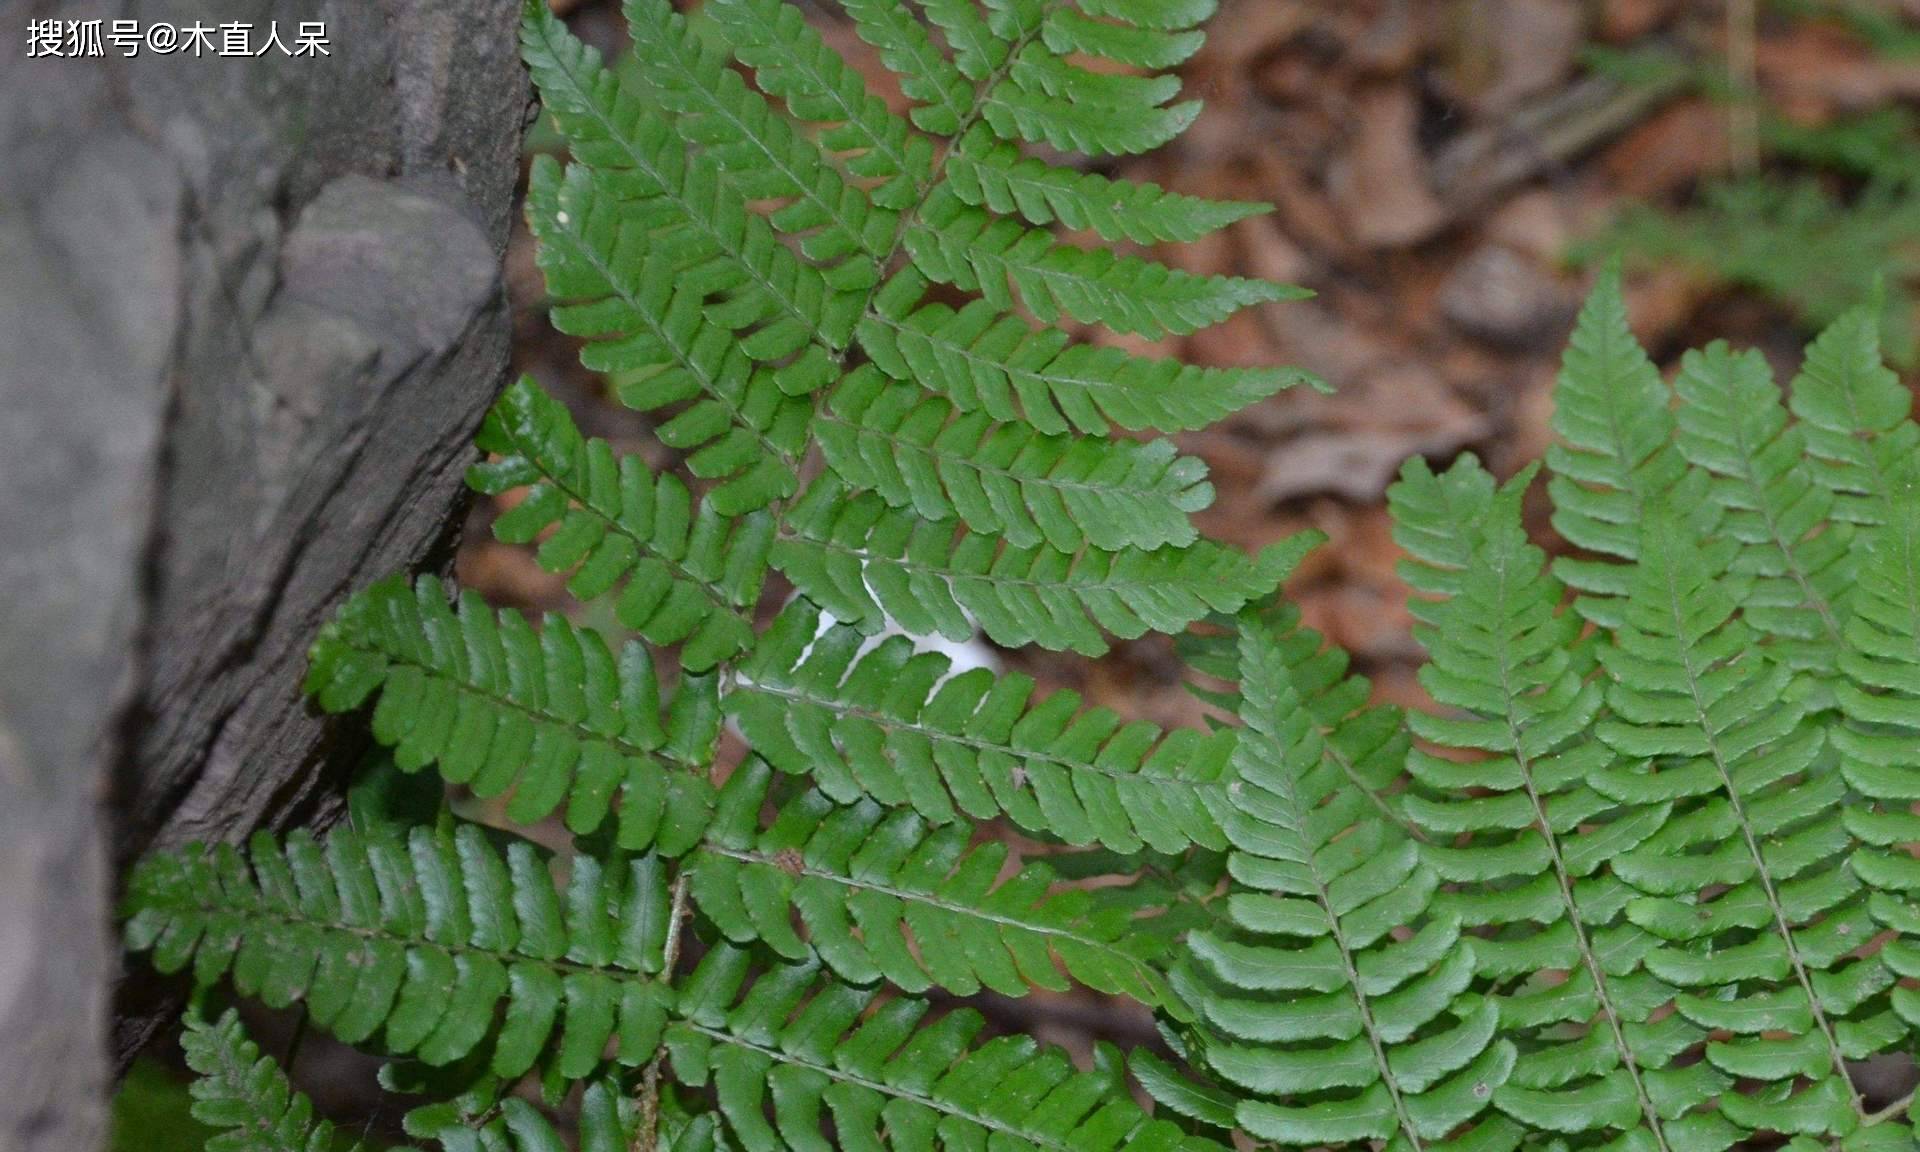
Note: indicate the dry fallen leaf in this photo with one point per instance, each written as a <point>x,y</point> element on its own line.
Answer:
<point>1379,182</point>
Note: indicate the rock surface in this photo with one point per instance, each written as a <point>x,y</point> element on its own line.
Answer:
<point>250,314</point>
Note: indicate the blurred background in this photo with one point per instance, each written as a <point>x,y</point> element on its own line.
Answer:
<point>1445,174</point>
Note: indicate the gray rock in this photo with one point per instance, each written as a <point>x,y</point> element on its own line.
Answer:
<point>250,314</point>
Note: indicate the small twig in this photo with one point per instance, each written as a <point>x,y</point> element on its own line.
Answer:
<point>1743,110</point>
<point>646,1137</point>
<point>1890,1111</point>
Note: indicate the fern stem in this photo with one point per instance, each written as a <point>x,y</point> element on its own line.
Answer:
<point>1892,1111</point>
<point>1687,647</point>
<point>646,1134</point>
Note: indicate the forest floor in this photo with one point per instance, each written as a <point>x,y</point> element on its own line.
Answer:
<point>1437,169</point>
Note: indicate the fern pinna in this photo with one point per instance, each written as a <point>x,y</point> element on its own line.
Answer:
<point>1639,880</point>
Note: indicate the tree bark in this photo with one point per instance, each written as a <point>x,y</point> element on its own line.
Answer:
<point>250,315</point>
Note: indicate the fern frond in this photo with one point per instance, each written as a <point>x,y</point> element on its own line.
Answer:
<point>1333,1029</point>
<point>1594,1059</point>
<point>1856,417</point>
<point>1880,699</point>
<point>809,1051</point>
<point>423,942</point>
<point>616,129</point>
<point>1069,32</point>
<point>791,61</point>
<point>984,360</point>
<point>687,575</point>
<point>953,243</point>
<point>1746,887</point>
<point>1441,520</point>
<point>1048,100</point>
<point>941,93</point>
<point>1368,743</point>
<point>1164,15</point>
<point>864,562</point>
<point>996,176</point>
<point>978,51</point>
<point>245,1093</point>
<point>1733,423</point>
<point>1615,455</point>
<point>1008,479</point>
<point>759,152</point>
<point>890,725</point>
<point>645,316</point>
<point>553,715</point>
<point>884,895</point>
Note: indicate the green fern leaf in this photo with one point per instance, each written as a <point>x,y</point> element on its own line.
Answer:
<point>245,1093</point>
<point>759,152</point>
<point>884,895</point>
<point>616,130</point>
<point>1366,743</point>
<point>1068,32</point>
<point>552,715</point>
<point>1747,886</point>
<point>1733,424</point>
<point>1856,417</point>
<point>1333,1030</point>
<point>1615,456</point>
<point>423,942</point>
<point>647,322</point>
<point>791,61</point>
<point>1440,520</point>
<point>1594,1059</point>
<point>941,92</point>
<point>1008,480</point>
<point>1165,15</point>
<point>996,176</point>
<point>892,727</point>
<point>978,52</point>
<point>793,1041</point>
<point>952,243</point>
<point>1047,100</point>
<point>984,360</point>
<point>691,575</point>
<point>1881,663</point>
<point>865,563</point>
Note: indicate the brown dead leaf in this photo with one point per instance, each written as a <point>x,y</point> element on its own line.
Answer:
<point>1669,151</point>
<point>1622,21</point>
<point>1379,182</point>
<point>1535,43</point>
<point>1366,430</point>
